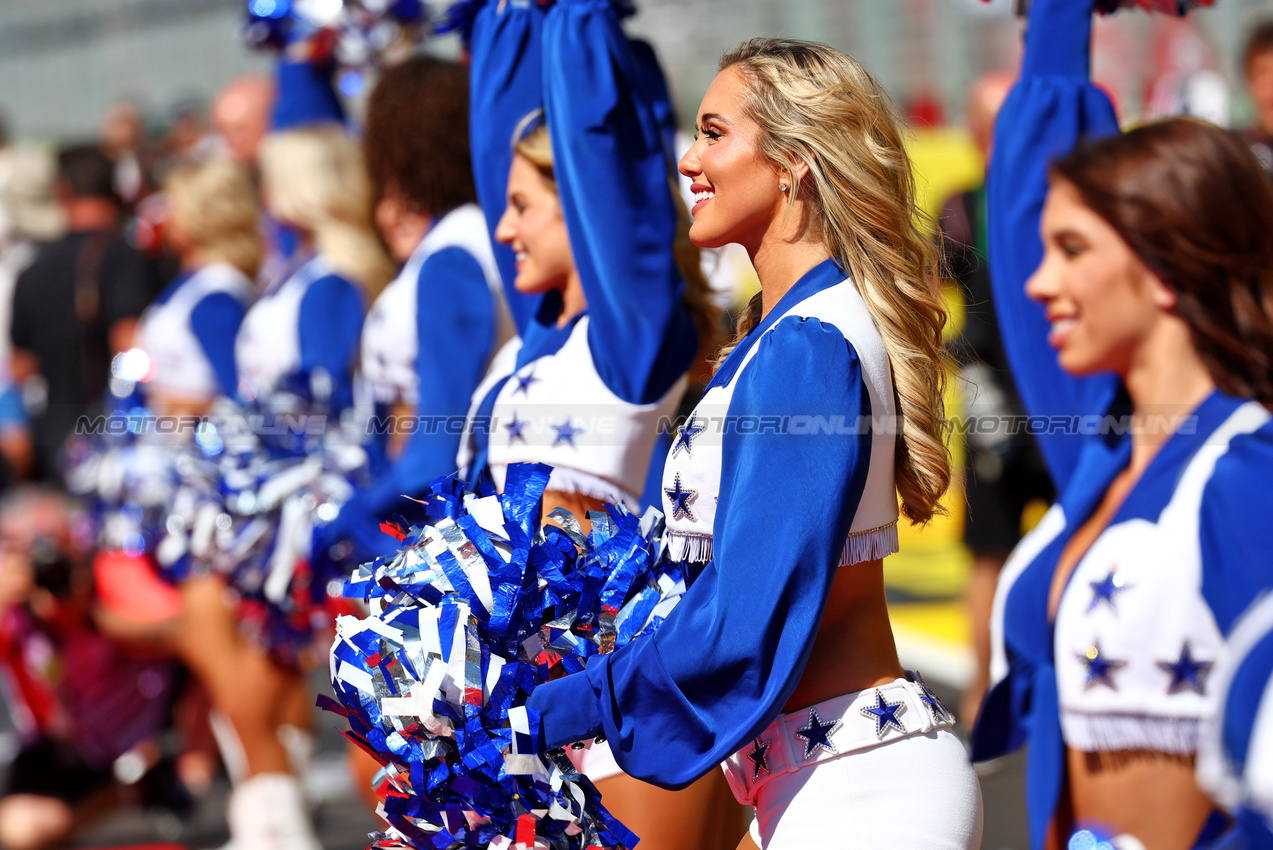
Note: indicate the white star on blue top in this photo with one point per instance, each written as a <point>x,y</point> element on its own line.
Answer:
<point>681,500</point>
<point>1100,669</point>
<point>515,429</point>
<point>1187,673</point>
<point>566,433</point>
<point>524,382</point>
<point>817,734</point>
<point>759,756</point>
<point>1104,590</point>
<point>941,714</point>
<point>885,714</point>
<point>685,436</point>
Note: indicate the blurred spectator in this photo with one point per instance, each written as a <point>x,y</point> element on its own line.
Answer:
<point>241,115</point>
<point>123,134</point>
<point>1003,471</point>
<point>28,218</point>
<point>87,710</point>
<point>1257,67</point>
<point>76,306</point>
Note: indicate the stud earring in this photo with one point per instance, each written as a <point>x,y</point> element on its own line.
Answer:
<point>782,186</point>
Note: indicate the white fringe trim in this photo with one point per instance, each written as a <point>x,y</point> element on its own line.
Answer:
<point>686,546</point>
<point>867,545</point>
<point>1112,732</point>
<point>870,544</point>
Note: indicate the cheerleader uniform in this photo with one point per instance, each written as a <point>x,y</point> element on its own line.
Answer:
<point>586,398</point>
<point>189,331</point>
<point>427,342</point>
<point>1142,619</point>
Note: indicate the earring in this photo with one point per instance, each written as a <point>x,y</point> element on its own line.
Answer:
<point>782,186</point>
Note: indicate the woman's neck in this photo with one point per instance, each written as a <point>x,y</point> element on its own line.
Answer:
<point>784,254</point>
<point>1166,380</point>
<point>573,301</point>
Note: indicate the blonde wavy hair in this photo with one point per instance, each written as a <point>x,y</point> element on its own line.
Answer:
<point>315,179</point>
<point>215,206</point>
<point>535,145</point>
<point>815,105</point>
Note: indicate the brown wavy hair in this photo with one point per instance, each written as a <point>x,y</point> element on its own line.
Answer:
<point>1192,202</point>
<point>816,105</point>
<point>416,137</point>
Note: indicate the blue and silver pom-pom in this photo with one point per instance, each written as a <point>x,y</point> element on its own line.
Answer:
<point>1109,7</point>
<point>253,486</point>
<point>480,606</point>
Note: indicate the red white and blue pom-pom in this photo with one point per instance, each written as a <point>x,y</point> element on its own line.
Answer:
<point>1167,7</point>
<point>480,606</point>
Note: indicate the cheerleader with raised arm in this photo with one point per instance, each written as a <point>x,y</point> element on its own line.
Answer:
<point>607,292</point>
<point>1133,279</point>
<point>779,660</point>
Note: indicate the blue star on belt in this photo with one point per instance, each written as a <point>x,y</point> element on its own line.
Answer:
<point>681,499</point>
<point>885,714</point>
<point>1100,669</point>
<point>1104,590</point>
<point>817,735</point>
<point>566,433</point>
<point>685,436</point>
<point>515,429</point>
<point>1187,673</point>
<point>941,714</point>
<point>524,382</point>
<point>759,756</point>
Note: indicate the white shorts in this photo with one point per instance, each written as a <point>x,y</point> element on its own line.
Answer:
<point>876,768</point>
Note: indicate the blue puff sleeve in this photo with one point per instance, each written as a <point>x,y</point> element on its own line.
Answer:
<point>455,329</point>
<point>505,86</point>
<point>215,322</point>
<point>306,95</point>
<point>613,180</point>
<point>329,325</point>
<point>1052,108</point>
<point>675,704</point>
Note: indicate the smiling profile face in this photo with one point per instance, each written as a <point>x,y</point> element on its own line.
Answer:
<point>1101,300</point>
<point>533,226</point>
<point>737,197</point>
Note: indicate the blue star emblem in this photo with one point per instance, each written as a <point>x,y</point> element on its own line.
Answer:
<point>685,436</point>
<point>941,714</point>
<point>759,756</point>
<point>1187,673</point>
<point>524,382</point>
<point>566,433</point>
<point>817,735</point>
<point>1100,670</point>
<point>1104,590</point>
<point>884,713</point>
<point>680,500</point>
<point>515,429</point>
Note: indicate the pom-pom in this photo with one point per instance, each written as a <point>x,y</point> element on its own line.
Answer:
<point>254,484</point>
<point>353,33</point>
<point>1109,7</point>
<point>480,606</point>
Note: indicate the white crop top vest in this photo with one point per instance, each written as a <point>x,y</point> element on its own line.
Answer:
<point>389,344</point>
<point>697,466</point>
<point>1135,639</point>
<point>182,370</point>
<point>269,344</point>
<point>557,410</point>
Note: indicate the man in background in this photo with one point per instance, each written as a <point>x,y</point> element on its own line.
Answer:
<point>1257,68</point>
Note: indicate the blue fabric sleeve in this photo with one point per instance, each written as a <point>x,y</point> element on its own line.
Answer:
<point>506,85</point>
<point>306,95</point>
<point>215,322</point>
<point>722,665</point>
<point>1051,109</point>
<point>455,326</point>
<point>613,178</point>
<point>330,322</point>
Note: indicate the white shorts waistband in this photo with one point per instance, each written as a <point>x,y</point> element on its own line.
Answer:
<point>830,729</point>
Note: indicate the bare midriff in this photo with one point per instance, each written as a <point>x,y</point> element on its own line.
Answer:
<point>854,647</point>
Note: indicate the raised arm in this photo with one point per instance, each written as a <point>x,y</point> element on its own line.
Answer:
<point>613,177</point>
<point>330,321</point>
<point>1051,109</point>
<point>675,704</point>
<point>506,86</point>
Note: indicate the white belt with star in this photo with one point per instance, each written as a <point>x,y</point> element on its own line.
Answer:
<point>833,728</point>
